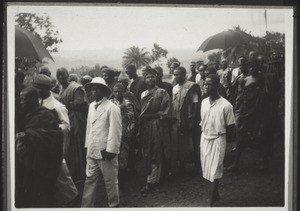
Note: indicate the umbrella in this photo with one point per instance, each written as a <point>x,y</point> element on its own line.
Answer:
<point>29,46</point>
<point>224,40</point>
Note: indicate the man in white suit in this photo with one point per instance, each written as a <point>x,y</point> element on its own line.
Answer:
<point>103,138</point>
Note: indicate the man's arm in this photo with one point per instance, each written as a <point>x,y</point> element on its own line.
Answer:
<point>230,133</point>
<point>114,130</point>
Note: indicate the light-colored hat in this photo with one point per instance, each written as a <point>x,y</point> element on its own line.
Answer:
<point>43,80</point>
<point>99,82</point>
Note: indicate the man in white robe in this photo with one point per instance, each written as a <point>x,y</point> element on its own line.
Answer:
<point>217,125</point>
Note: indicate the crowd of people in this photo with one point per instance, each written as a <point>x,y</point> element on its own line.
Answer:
<point>83,129</point>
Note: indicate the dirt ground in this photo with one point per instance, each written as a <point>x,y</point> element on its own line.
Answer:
<point>250,188</point>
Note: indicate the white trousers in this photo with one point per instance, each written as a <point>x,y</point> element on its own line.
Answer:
<point>95,169</point>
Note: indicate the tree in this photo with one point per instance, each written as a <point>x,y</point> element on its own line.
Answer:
<point>171,60</point>
<point>158,52</point>
<point>136,56</point>
<point>42,27</point>
<point>214,59</point>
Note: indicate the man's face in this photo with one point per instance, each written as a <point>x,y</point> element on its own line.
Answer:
<point>173,67</point>
<point>159,76</point>
<point>118,93</point>
<point>107,77</point>
<point>224,64</point>
<point>193,66</point>
<point>97,92</point>
<point>209,87</point>
<point>62,78</point>
<point>252,56</point>
<point>130,73</point>
<point>179,76</point>
<point>150,80</point>
<point>201,70</point>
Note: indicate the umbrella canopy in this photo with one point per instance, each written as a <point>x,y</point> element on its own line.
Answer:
<point>224,40</point>
<point>29,46</point>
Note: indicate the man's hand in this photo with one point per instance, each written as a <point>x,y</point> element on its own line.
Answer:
<point>110,156</point>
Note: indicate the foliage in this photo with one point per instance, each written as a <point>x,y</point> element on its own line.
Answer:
<point>272,41</point>
<point>214,59</point>
<point>42,27</point>
<point>158,52</point>
<point>171,60</point>
<point>86,70</point>
<point>136,56</point>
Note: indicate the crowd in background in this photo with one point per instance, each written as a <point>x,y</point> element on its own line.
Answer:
<point>61,120</point>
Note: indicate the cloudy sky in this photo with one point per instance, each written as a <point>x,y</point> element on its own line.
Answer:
<point>97,27</point>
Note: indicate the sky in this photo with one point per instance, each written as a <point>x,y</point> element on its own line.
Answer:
<point>99,27</point>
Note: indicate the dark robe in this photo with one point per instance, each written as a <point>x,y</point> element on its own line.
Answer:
<point>75,100</point>
<point>155,106</point>
<point>38,159</point>
<point>166,86</point>
<point>252,112</point>
<point>137,87</point>
<point>186,129</point>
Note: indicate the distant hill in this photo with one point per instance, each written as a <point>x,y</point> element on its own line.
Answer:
<point>113,58</point>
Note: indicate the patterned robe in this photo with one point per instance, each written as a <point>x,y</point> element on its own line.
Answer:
<point>186,131</point>
<point>155,106</point>
<point>75,100</point>
<point>128,124</point>
<point>38,159</point>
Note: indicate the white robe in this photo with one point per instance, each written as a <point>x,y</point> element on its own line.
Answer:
<point>215,117</point>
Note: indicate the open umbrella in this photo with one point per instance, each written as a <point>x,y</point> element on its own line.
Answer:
<point>225,40</point>
<point>29,46</point>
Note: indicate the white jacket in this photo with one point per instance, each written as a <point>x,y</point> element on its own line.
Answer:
<point>104,129</point>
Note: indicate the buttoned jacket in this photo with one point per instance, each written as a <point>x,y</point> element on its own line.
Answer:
<point>104,129</point>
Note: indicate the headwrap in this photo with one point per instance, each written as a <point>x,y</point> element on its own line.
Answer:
<point>150,71</point>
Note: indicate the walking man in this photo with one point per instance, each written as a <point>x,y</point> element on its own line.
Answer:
<point>217,125</point>
<point>103,138</point>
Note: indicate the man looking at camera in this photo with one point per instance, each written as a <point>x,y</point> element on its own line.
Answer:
<point>103,138</point>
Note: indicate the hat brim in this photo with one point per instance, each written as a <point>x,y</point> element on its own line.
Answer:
<point>105,89</point>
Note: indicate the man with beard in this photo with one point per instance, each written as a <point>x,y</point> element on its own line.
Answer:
<point>185,132</point>
<point>39,152</point>
<point>155,107</point>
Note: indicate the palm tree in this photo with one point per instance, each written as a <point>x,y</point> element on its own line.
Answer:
<point>136,56</point>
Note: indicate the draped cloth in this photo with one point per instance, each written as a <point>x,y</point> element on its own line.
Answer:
<point>75,99</point>
<point>186,111</point>
<point>128,124</point>
<point>38,159</point>
<point>253,110</point>
<point>155,107</point>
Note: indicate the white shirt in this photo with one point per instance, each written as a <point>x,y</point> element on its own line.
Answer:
<point>198,78</point>
<point>215,117</point>
<point>235,73</point>
<point>61,110</point>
